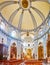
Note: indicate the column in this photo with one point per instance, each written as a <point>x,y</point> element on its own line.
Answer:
<point>44,46</point>
<point>8,43</point>
<point>36,49</point>
<point>19,50</point>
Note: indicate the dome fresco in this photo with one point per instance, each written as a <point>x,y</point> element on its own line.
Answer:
<point>24,14</point>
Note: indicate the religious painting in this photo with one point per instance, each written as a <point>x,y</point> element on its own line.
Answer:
<point>28,54</point>
<point>40,52</point>
<point>13,51</point>
<point>48,46</point>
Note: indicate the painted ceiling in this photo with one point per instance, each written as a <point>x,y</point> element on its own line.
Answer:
<point>29,18</point>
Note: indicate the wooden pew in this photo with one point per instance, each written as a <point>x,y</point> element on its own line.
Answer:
<point>33,62</point>
<point>11,62</point>
<point>15,62</point>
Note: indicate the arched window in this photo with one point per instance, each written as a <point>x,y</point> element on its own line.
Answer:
<point>40,51</point>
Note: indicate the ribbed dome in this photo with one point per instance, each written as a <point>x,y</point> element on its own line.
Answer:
<point>25,15</point>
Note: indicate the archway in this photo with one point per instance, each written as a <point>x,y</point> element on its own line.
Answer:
<point>40,51</point>
<point>13,51</point>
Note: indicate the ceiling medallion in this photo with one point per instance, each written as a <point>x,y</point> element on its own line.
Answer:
<point>25,4</point>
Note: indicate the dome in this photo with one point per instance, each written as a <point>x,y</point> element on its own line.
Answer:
<point>25,14</point>
<point>24,31</point>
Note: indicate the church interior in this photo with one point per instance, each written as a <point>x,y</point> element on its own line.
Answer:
<point>24,32</point>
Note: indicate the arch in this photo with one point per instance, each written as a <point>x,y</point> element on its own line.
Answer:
<point>48,46</point>
<point>13,51</point>
<point>40,51</point>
